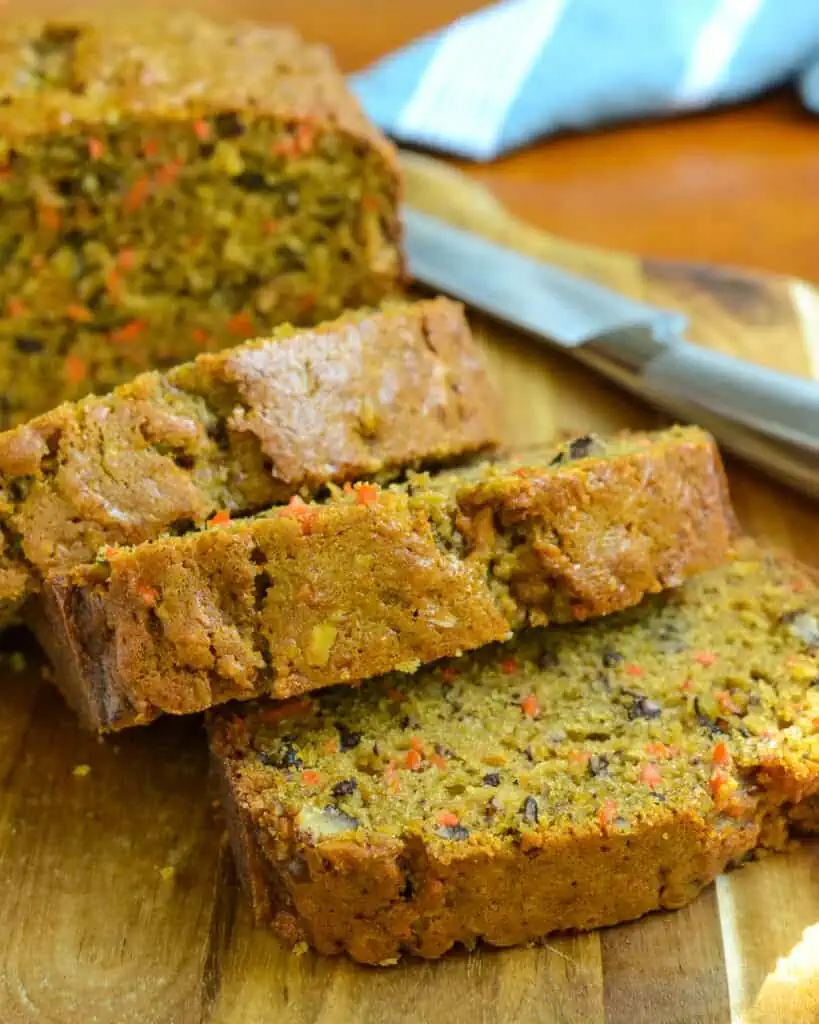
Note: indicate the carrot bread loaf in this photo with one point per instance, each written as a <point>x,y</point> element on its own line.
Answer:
<point>171,185</point>
<point>236,431</point>
<point>313,594</point>
<point>576,777</point>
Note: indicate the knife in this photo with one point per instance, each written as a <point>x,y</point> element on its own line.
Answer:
<point>637,344</point>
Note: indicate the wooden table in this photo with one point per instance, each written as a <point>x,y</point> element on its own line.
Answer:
<point>117,895</point>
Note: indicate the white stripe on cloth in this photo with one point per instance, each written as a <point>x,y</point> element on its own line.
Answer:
<point>718,41</point>
<point>475,75</point>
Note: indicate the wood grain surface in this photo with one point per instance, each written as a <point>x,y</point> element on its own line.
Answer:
<point>118,898</point>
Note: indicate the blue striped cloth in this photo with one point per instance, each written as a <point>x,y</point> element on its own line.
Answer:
<point>521,69</point>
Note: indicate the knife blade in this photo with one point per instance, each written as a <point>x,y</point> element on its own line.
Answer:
<point>600,325</point>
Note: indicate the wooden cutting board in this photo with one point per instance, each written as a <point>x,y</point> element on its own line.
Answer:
<point>117,894</point>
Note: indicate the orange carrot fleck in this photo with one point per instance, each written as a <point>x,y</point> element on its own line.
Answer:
<point>50,218</point>
<point>797,586</point>
<point>720,754</point>
<point>330,746</point>
<point>414,760</point>
<point>633,670</point>
<point>287,709</point>
<point>449,674</point>
<point>579,756</point>
<point>370,202</point>
<point>687,685</point>
<point>509,666</point>
<point>199,336</point>
<point>126,259</point>
<point>658,750</point>
<point>439,761</point>
<point>241,324</point>
<point>82,314</point>
<point>148,594</point>
<point>366,494</point>
<point>607,813</point>
<point>202,130</point>
<point>529,706</point>
<point>305,138</point>
<point>75,369</point>
<point>150,148</point>
<point>391,778</point>
<point>727,702</point>
<point>416,744</point>
<point>717,781</point>
<point>395,695</point>
<point>38,261</point>
<point>271,227</point>
<point>221,518</point>
<point>129,332</point>
<point>136,194</point>
<point>16,307</point>
<point>95,149</point>
<point>167,174</point>
<point>706,658</point>
<point>108,551</point>
<point>448,819</point>
<point>299,510</point>
<point>113,284</point>
<point>650,775</point>
<point>311,778</point>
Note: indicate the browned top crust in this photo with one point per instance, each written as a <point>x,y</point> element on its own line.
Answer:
<point>367,394</point>
<point>372,580</point>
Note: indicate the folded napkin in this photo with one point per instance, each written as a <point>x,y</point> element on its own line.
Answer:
<point>520,69</point>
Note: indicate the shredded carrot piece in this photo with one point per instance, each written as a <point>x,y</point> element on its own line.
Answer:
<point>199,336</point>
<point>395,695</point>
<point>167,174</point>
<point>607,813</point>
<point>202,130</point>
<point>221,518</point>
<point>509,666</point>
<point>633,670</point>
<point>727,702</point>
<point>798,586</point>
<point>240,324</point>
<point>706,658</point>
<point>439,761</point>
<point>113,284</point>
<point>299,510</point>
<point>129,332</point>
<point>109,550</point>
<point>38,261</point>
<point>579,756</point>
<point>305,138</point>
<point>330,746</point>
<point>136,194</point>
<point>529,706</point>
<point>447,818</point>
<point>287,709</point>
<point>366,494</point>
<point>82,314</point>
<point>16,307</point>
<point>148,594</point>
<point>75,369</point>
<point>449,674</point>
<point>650,775</point>
<point>414,760</point>
<point>50,218</point>
<point>687,685</point>
<point>720,754</point>
<point>658,750</point>
<point>522,471</point>
<point>126,259</point>
<point>719,779</point>
<point>271,227</point>
<point>150,148</point>
<point>370,202</point>
<point>391,778</point>
<point>311,777</point>
<point>416,744</point>
<point>95,149</point>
